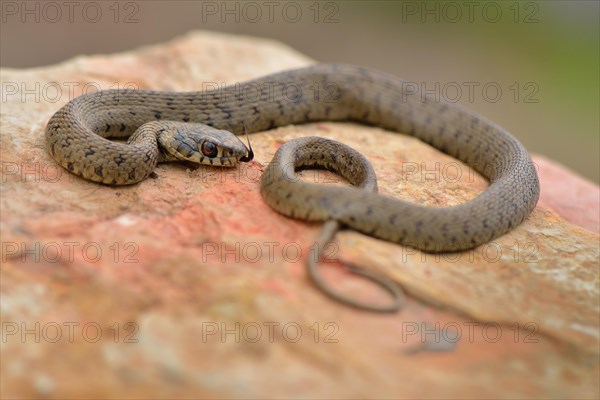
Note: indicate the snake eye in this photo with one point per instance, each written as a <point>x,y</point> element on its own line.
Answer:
<point>209,149</point>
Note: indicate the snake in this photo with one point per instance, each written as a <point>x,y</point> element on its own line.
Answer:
<point>203,127</point>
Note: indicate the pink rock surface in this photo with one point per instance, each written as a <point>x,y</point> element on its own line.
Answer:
<point>571,196</point>
<point>189,286</point>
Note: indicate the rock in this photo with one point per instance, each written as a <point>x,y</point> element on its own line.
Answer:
<point>189,285</point>
<point>572,197</point>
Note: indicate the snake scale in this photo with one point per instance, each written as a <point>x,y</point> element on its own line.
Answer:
<point>201,126</point>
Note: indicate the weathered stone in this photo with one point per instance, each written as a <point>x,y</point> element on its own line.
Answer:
<point>180,273</point>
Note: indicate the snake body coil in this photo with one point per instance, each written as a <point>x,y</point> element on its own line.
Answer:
<point>316,93</point>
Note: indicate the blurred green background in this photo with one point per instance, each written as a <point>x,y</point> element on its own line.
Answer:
<point>544,56</point>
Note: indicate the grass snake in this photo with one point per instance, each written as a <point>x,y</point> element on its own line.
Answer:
<point>201,127</point>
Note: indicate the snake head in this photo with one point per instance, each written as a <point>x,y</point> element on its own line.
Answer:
<point>202,144</point>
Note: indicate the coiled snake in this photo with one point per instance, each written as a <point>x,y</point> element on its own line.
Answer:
<point>201,126</point>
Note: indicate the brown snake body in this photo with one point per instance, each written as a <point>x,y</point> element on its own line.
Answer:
<point>76,134</point>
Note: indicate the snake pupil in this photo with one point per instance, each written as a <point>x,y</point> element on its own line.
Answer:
<point>209,149</point>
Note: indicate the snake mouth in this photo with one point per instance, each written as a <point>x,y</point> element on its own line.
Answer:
<point>248,157</point>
